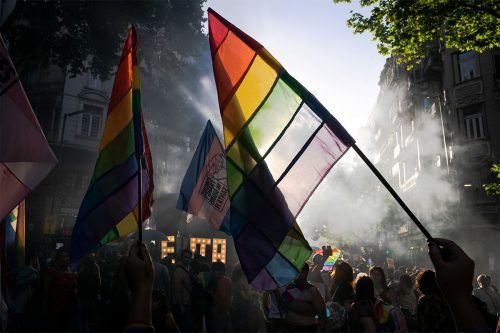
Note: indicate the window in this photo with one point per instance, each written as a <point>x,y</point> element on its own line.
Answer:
<point>473,122</point>
<point>474,126</point>
<point>427,104</point>
<point>91,121</point>
<point>467,66</point>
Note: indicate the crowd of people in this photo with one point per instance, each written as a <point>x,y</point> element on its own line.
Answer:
<point>141,292</point>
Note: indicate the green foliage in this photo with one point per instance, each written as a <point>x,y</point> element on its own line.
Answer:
<point>408,29</point>
<point>493,188</point>
<point>88,35</point>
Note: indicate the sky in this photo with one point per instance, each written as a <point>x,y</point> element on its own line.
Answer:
<point>315,45</point>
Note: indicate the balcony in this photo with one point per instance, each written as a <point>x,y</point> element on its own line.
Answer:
<point>476,151</point>
<point>469,92</point>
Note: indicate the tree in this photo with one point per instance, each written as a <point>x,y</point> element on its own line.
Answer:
<point>493,188</point>
<point>408,29</point>
<point>87,36</point>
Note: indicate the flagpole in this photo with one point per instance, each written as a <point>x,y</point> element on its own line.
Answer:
<point>139,204</point>
<point>394,194</point>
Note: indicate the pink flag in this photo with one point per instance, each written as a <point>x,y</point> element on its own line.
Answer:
<point>25,155</point>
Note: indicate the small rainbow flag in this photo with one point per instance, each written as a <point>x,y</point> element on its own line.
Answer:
<point>14,225</point>
<point>331,260</point>
<point>109,209</point>
<point>280,143</point>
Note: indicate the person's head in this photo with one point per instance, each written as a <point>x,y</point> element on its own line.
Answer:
<point>405,281</point>
<point>218,269</point>
<point>342,273</point>
<point>484,281</point>
<point>378,276</point>
<point>62,259</point>
<point>186,257</point>
<point>317,258</point>
<point>363,288</point>
<point>427,284</point>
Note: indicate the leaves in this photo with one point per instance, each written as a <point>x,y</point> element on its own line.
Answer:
<point>407,29</point>
<point>87,35</point>
<point>493,188</point>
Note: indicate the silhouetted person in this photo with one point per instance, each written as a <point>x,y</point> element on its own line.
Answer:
<point>433,313</point>
<point>377,275</point>
<point>89,285</point>
<point>304,303</point>
<point>182,292</point>
<point>487,294</point>
<point>341,288</point>
<point>220,299</point>
<point>60,295</point>
<point>362,318</point>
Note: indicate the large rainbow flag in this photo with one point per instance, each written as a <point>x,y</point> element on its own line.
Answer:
<point>109,209</point>
<point>25,156</point>
<point>280,143</point>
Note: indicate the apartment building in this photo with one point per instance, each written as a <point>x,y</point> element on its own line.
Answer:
<point>435,135</point>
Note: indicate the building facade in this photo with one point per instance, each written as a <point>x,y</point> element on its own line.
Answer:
<point>435,132</point>
<point>72,112</point>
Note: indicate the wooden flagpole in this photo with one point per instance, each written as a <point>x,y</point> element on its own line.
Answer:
<point>393,193</point>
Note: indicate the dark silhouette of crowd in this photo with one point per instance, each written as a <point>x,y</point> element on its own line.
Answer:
<point>134,290</point>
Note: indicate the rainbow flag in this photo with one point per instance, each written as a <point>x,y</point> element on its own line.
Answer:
<point>280,143</point>
<point>331,260</point>
<point>203,190</point>
<point>25,156</point>
<point>14,244</point>
<point>109,209</point>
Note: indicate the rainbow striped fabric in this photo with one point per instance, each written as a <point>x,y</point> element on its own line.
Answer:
<point>14,243</point>
<point>280,143</point>
<point>331,260</point>
<point>109,209</point>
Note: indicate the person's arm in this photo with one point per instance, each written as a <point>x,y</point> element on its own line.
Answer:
<point>319,307</point>
<point>327,252</point>
<point>454,275</point>
<point>139,273</point>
